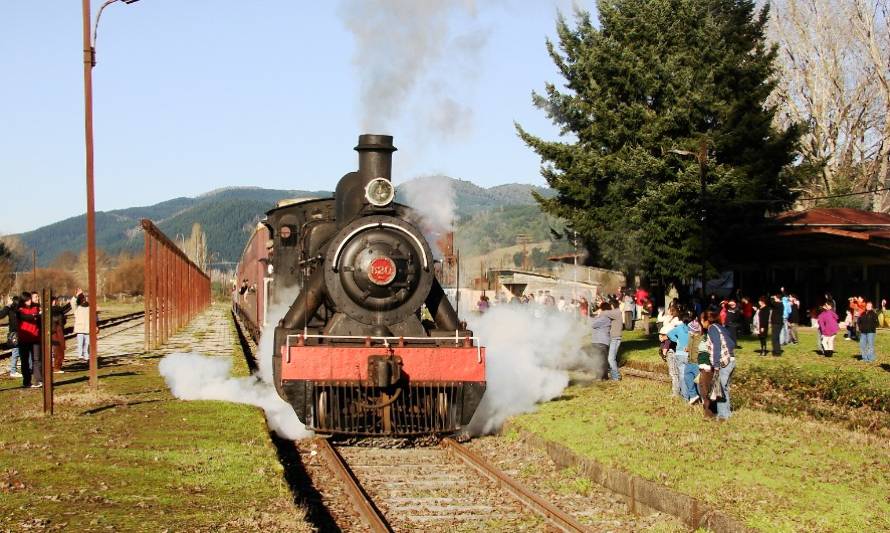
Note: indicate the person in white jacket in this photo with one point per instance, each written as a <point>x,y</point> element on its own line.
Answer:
<point>82,325</point>
<point>668,320</point>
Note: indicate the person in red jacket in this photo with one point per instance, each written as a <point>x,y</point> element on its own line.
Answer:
<point>29,341</point>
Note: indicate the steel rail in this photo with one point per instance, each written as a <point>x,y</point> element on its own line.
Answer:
<point>557,518</point>
<point>101,324</point>
<point>363,504</point>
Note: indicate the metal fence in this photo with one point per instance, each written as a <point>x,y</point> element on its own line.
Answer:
<point>176,290</point>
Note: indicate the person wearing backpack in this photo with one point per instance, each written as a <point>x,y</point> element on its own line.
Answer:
<point>721,349</point>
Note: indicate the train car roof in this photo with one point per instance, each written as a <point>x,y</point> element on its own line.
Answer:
<point>303,201</point>
<point>296,201</point>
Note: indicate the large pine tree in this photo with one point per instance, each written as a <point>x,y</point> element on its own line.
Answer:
<point>656,77</point>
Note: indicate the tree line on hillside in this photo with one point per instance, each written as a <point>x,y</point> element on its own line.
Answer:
<point>688,122</point>
<point>116,275</point>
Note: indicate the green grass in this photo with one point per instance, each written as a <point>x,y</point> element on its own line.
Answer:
<point>773,473</point>
<point>800,382</point>
<point>132,458</point>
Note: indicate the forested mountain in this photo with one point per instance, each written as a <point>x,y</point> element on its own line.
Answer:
<point>229,215</point>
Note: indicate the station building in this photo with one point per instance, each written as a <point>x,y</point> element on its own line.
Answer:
<point>839,250</point>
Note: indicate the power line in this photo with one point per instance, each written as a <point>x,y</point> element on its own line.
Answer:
<point>871,191</point>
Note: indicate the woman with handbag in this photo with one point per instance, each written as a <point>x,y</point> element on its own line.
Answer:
<point>721,349</point>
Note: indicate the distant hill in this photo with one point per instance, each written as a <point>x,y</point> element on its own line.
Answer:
<point>228,216</point>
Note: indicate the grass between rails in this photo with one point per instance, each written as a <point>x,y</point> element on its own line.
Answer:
<point>800,382</point>
<point>773,473</point>
<point>132,458</point>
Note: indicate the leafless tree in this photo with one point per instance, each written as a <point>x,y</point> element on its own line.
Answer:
<point>834,78</point>
<point>7,266</point>
<point>195,247</point>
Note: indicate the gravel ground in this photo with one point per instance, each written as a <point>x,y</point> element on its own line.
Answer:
<point>588,502</point>
<point>423,489</point>
<point>329,507</point>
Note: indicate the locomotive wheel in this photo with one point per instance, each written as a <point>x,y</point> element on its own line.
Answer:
<point>321,410</point>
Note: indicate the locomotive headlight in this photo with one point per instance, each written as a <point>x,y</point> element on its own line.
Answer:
<point>380,192</point>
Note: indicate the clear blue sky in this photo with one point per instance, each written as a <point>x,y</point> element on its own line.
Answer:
<point>200,94</point>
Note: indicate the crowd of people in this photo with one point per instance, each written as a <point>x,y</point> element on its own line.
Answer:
<point>25,314</point>
<point>698,341</point>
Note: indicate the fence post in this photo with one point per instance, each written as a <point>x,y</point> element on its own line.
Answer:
<point>146,292</point>
<point>176,290</point>
<point>46,334</point>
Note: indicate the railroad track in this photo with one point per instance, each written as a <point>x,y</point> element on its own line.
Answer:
<point>105,324</point>
<point>438,488</point>
<point>447,487</point>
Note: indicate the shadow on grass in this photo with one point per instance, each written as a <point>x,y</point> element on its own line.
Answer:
<point>114,405</point>
<point>304,492</point>
<point>886,367</point>
<point>81,379</point>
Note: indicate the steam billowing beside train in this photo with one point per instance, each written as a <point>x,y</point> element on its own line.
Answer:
<point>354,354</point>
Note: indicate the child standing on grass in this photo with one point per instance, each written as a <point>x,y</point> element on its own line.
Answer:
<point>868,325</point>
<point>828,328</point>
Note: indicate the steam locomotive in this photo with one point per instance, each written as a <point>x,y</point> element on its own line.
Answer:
<point>354,354</point>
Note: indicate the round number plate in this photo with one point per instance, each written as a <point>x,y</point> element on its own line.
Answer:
<point>382,271</point>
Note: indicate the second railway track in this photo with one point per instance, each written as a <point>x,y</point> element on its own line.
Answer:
<point>105,325</point>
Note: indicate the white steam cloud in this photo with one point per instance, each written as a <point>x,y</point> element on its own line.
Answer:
<point>400,50</point>
<point>193,376</point>
<point>528,355</point>
<point>199,377</point>
<point>432,198</point>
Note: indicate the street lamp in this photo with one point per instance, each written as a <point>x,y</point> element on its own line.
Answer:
<point>89,61</point>
<point>702,157</point>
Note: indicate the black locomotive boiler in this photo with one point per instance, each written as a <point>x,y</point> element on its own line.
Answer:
<point>353,354</point>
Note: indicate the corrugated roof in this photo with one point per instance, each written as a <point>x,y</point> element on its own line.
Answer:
<point>833,216</point>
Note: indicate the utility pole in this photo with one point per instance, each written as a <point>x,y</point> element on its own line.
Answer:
<point>89,61</point>
<point>524,239</point>
<point>701,156</point>
<point>703,176</point>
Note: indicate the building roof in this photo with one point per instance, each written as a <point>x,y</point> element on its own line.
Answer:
<point>822,235</point>
<point>832,217</point>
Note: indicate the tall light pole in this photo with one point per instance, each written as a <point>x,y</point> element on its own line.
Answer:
<point>89,61</point>
<point>702,158</point>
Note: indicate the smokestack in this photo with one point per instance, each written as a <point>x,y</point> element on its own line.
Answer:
<point>375,156</point>
<point>374,161</point>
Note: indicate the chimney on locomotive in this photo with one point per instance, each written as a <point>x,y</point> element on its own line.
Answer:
<point>375,156</point>
<point>370,187</point>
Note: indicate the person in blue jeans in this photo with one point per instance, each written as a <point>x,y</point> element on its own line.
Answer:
<point>721,348</point>
<point>614,314</point>
<point>679,335</point>
<point>868,325</point>
<point>689,371</point>
<point>10,311</point>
